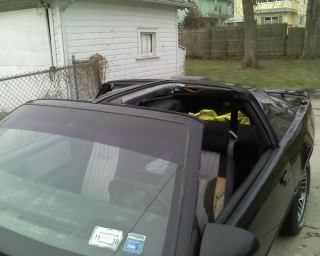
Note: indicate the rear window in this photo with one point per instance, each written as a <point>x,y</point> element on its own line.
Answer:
<point>280,112</point>
<point>88,183</point>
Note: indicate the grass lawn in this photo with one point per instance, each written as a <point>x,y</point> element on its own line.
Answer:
<point>274,73</point>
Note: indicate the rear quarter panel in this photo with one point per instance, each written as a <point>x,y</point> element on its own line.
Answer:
<point>299,141</point>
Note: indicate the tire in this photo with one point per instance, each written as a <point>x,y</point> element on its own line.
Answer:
<point>295,219</point>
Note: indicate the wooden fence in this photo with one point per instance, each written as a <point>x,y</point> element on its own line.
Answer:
<point>295,42</point>
<point>223,42</point>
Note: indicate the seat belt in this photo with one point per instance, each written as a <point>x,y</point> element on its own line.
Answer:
<point>234,118</point>
<point>224,183</point>
<point>230,168</point>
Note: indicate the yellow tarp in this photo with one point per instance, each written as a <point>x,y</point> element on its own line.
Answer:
<point>211,115</point>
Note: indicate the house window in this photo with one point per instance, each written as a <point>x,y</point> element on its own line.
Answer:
<point>267,20</point>
<point>147,43</point>
<point>271,20</point>
<point>275,20</point>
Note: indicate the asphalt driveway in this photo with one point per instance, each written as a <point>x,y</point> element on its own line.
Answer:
<point>308,241</point>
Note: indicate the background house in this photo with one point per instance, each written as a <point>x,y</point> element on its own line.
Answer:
<point>292,12</point>
<point>139,38</point>
<point>220,9</point>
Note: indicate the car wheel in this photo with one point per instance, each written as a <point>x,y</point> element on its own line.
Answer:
<point>295,219</point>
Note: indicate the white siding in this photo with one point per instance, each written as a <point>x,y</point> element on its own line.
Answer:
<point>57,34</point>
<point>24,41</point>
<point>111,29</point>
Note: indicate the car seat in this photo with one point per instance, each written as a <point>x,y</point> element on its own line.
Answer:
<point>100,172</point>
<point>213,166</point>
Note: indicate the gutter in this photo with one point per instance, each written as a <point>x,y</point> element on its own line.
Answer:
<point>11,5</point>
<point>182,3</point>
<point>276,10</point>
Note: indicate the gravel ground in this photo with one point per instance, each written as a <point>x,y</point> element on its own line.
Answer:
<point>307,243</point>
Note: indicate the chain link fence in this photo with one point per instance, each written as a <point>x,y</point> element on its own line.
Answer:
<point>79,81</point>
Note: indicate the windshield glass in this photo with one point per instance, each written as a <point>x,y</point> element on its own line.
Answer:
<point>89,186</point>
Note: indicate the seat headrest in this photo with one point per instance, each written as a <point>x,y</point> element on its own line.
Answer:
<point>216,137</point>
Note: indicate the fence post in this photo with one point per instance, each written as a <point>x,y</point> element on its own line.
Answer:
<point>210,41</point>
<point>76,87</point>
<point>285,38</point>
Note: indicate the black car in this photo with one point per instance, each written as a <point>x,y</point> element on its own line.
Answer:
<point>163,168</point>
<point>268,187</point>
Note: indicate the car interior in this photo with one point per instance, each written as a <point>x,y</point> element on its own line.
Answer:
<point>234,159</point>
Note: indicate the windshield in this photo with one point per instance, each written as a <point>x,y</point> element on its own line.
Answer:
<point>89,186</point>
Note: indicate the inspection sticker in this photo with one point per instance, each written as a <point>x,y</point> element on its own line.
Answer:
<point>134,243</point>
<point>106,238</point>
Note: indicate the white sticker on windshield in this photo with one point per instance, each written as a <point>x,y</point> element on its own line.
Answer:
<point>106,238</point>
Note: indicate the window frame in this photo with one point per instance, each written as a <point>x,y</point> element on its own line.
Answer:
<point>154,53</point>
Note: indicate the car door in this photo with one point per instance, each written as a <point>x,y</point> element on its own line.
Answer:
<point>265,204</point>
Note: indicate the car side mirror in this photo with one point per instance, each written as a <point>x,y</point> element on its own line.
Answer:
<point>228,241</point>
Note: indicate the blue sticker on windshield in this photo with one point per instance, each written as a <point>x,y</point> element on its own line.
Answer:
<point>134,244</point>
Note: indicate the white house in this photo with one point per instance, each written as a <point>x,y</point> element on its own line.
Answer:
<point>139,38</point>
<point>290,12</point>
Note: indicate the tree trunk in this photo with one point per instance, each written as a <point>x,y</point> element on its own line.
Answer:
<point>249,59</point>
<point>312,37</point>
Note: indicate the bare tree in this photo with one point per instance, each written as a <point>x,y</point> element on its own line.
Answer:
<point>195,20</point>
<point>312,36</point>
<point>249,59</point>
